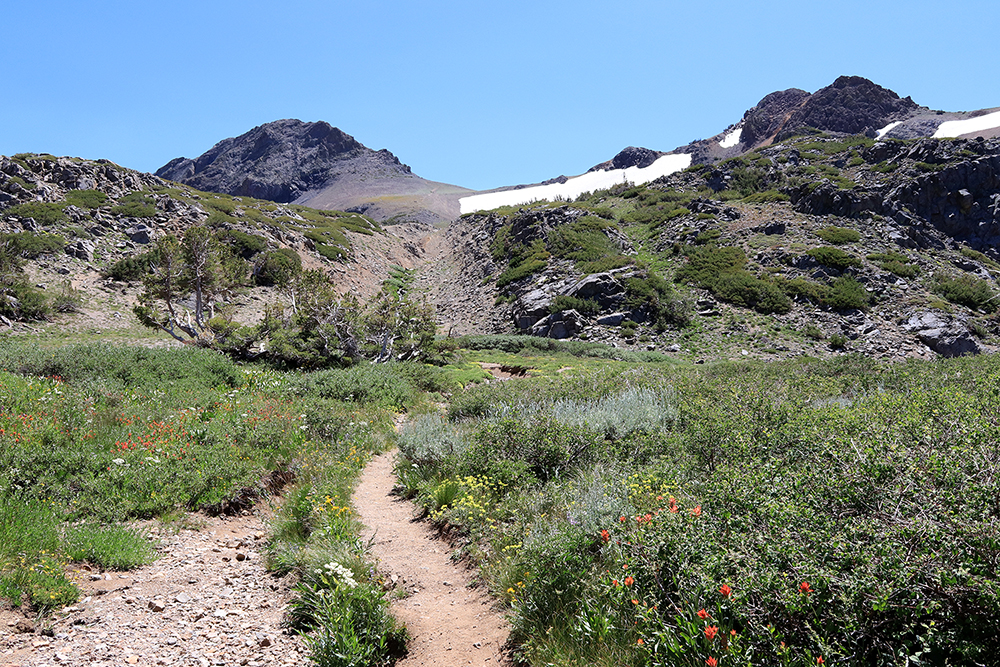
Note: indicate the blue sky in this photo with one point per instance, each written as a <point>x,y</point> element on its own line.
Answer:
<point>471,93</point>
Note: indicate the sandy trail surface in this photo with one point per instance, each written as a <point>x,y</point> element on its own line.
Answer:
<point>450,622</point>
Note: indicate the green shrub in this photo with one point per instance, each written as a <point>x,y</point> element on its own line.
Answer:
<point>44,213</point>
<point>30,245</point>
<point>835,258</point>
<point>839,235</point>
<point>242,244</point>
<point>429,440</point>
<point>277,267</point>
<point>846,293</point>
<point>135,205</point>
<point>368,384</point>
<point>968,291</point>
<point>720,270</point>
<point>584,306</point>
<point>86,198</point>
<point>130,269</point>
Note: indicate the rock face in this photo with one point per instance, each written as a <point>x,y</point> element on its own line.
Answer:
<point>852,105</point>
<point>318,165</point>
<point>633,156</point>
<point>279,161</point>
<point>947,336</point>
<point>765,120</point>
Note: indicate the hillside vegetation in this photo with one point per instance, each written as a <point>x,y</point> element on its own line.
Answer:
<point>815,244</point>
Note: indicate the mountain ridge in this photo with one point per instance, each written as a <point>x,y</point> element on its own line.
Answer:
<point>316,164</point>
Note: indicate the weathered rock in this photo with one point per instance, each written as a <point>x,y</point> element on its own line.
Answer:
<point>563,324</point>
<point>531,307</point>
<point>948,336</point>
<point>141,234</point>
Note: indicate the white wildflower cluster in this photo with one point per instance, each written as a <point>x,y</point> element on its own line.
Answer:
<point>339,573</point>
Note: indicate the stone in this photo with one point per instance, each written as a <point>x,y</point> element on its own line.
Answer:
<point>946,335</point>
<point>141,234</point>
<point>156,606</point>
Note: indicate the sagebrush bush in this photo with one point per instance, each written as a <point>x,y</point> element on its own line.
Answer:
<point>429,440</point>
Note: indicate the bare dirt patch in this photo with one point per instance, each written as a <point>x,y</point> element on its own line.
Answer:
<point>207,600</point>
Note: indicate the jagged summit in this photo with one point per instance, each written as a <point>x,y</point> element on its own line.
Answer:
<point>315,164</point>
<point>279,161</point>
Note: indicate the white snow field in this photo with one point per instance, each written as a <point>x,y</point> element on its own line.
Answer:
<point>956,128</point>
<point>732,138</point>
<point>887,129</point>
<point>574,187</point>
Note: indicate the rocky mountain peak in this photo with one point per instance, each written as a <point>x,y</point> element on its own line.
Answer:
<point>281,161</point>
<point>851,104</point>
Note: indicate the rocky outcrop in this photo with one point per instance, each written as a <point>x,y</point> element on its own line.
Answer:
<point>852,105</point>
<point>942,189</point>
<point>948,336</point>
<point>277,161</point>
<point>764,121</point>
<point>317,165</point>
<point>633,156</point>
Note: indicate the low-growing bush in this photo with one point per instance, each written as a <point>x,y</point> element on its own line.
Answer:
<point>86,198</point>
<point>277,267</point>
<point>368,384</point>
<point>29,245</point>
<point>839,235</point>
<point>835,258</point>
<point>135,205</point>
<point>428,440</point>
<point>44,213</point>
<point>968,291</point>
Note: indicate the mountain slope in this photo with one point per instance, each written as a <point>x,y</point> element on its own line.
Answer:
<point>315,164</point>
<point>850,105</point>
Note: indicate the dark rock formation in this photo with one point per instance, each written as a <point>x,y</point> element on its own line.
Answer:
<point>280,161</point>
<point>852,105</point>
<point>317,165</point>
<point>766,119</point>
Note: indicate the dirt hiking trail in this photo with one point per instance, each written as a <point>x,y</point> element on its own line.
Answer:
<point>450,623</point>
<point>208,599</point>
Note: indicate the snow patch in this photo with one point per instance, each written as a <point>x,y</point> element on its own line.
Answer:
<point>732,138</point>
<point>574,187</point>
<point>887,129</point>
<point>956,128</point>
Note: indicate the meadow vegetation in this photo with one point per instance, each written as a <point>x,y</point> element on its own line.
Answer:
<point>94,436</point>
<point>730,514</point>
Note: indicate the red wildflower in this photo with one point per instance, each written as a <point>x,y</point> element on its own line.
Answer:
<point>634,601</point>
<point>711,662</point>
<point>696,511</point>
<point>629,580</point>
<point>673,504</point>
<point>702,614</point>
<point>819,660</point>
<point>725,590</point>
<point>804,587</point>
<point>621,519</point>
<point>605,535</point>
<point>639,641</point>
<point>614,582</point>
<point>711,631</point>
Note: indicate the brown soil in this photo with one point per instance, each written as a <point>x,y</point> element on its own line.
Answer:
<point>451,622</point>
<point>208,599</point>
